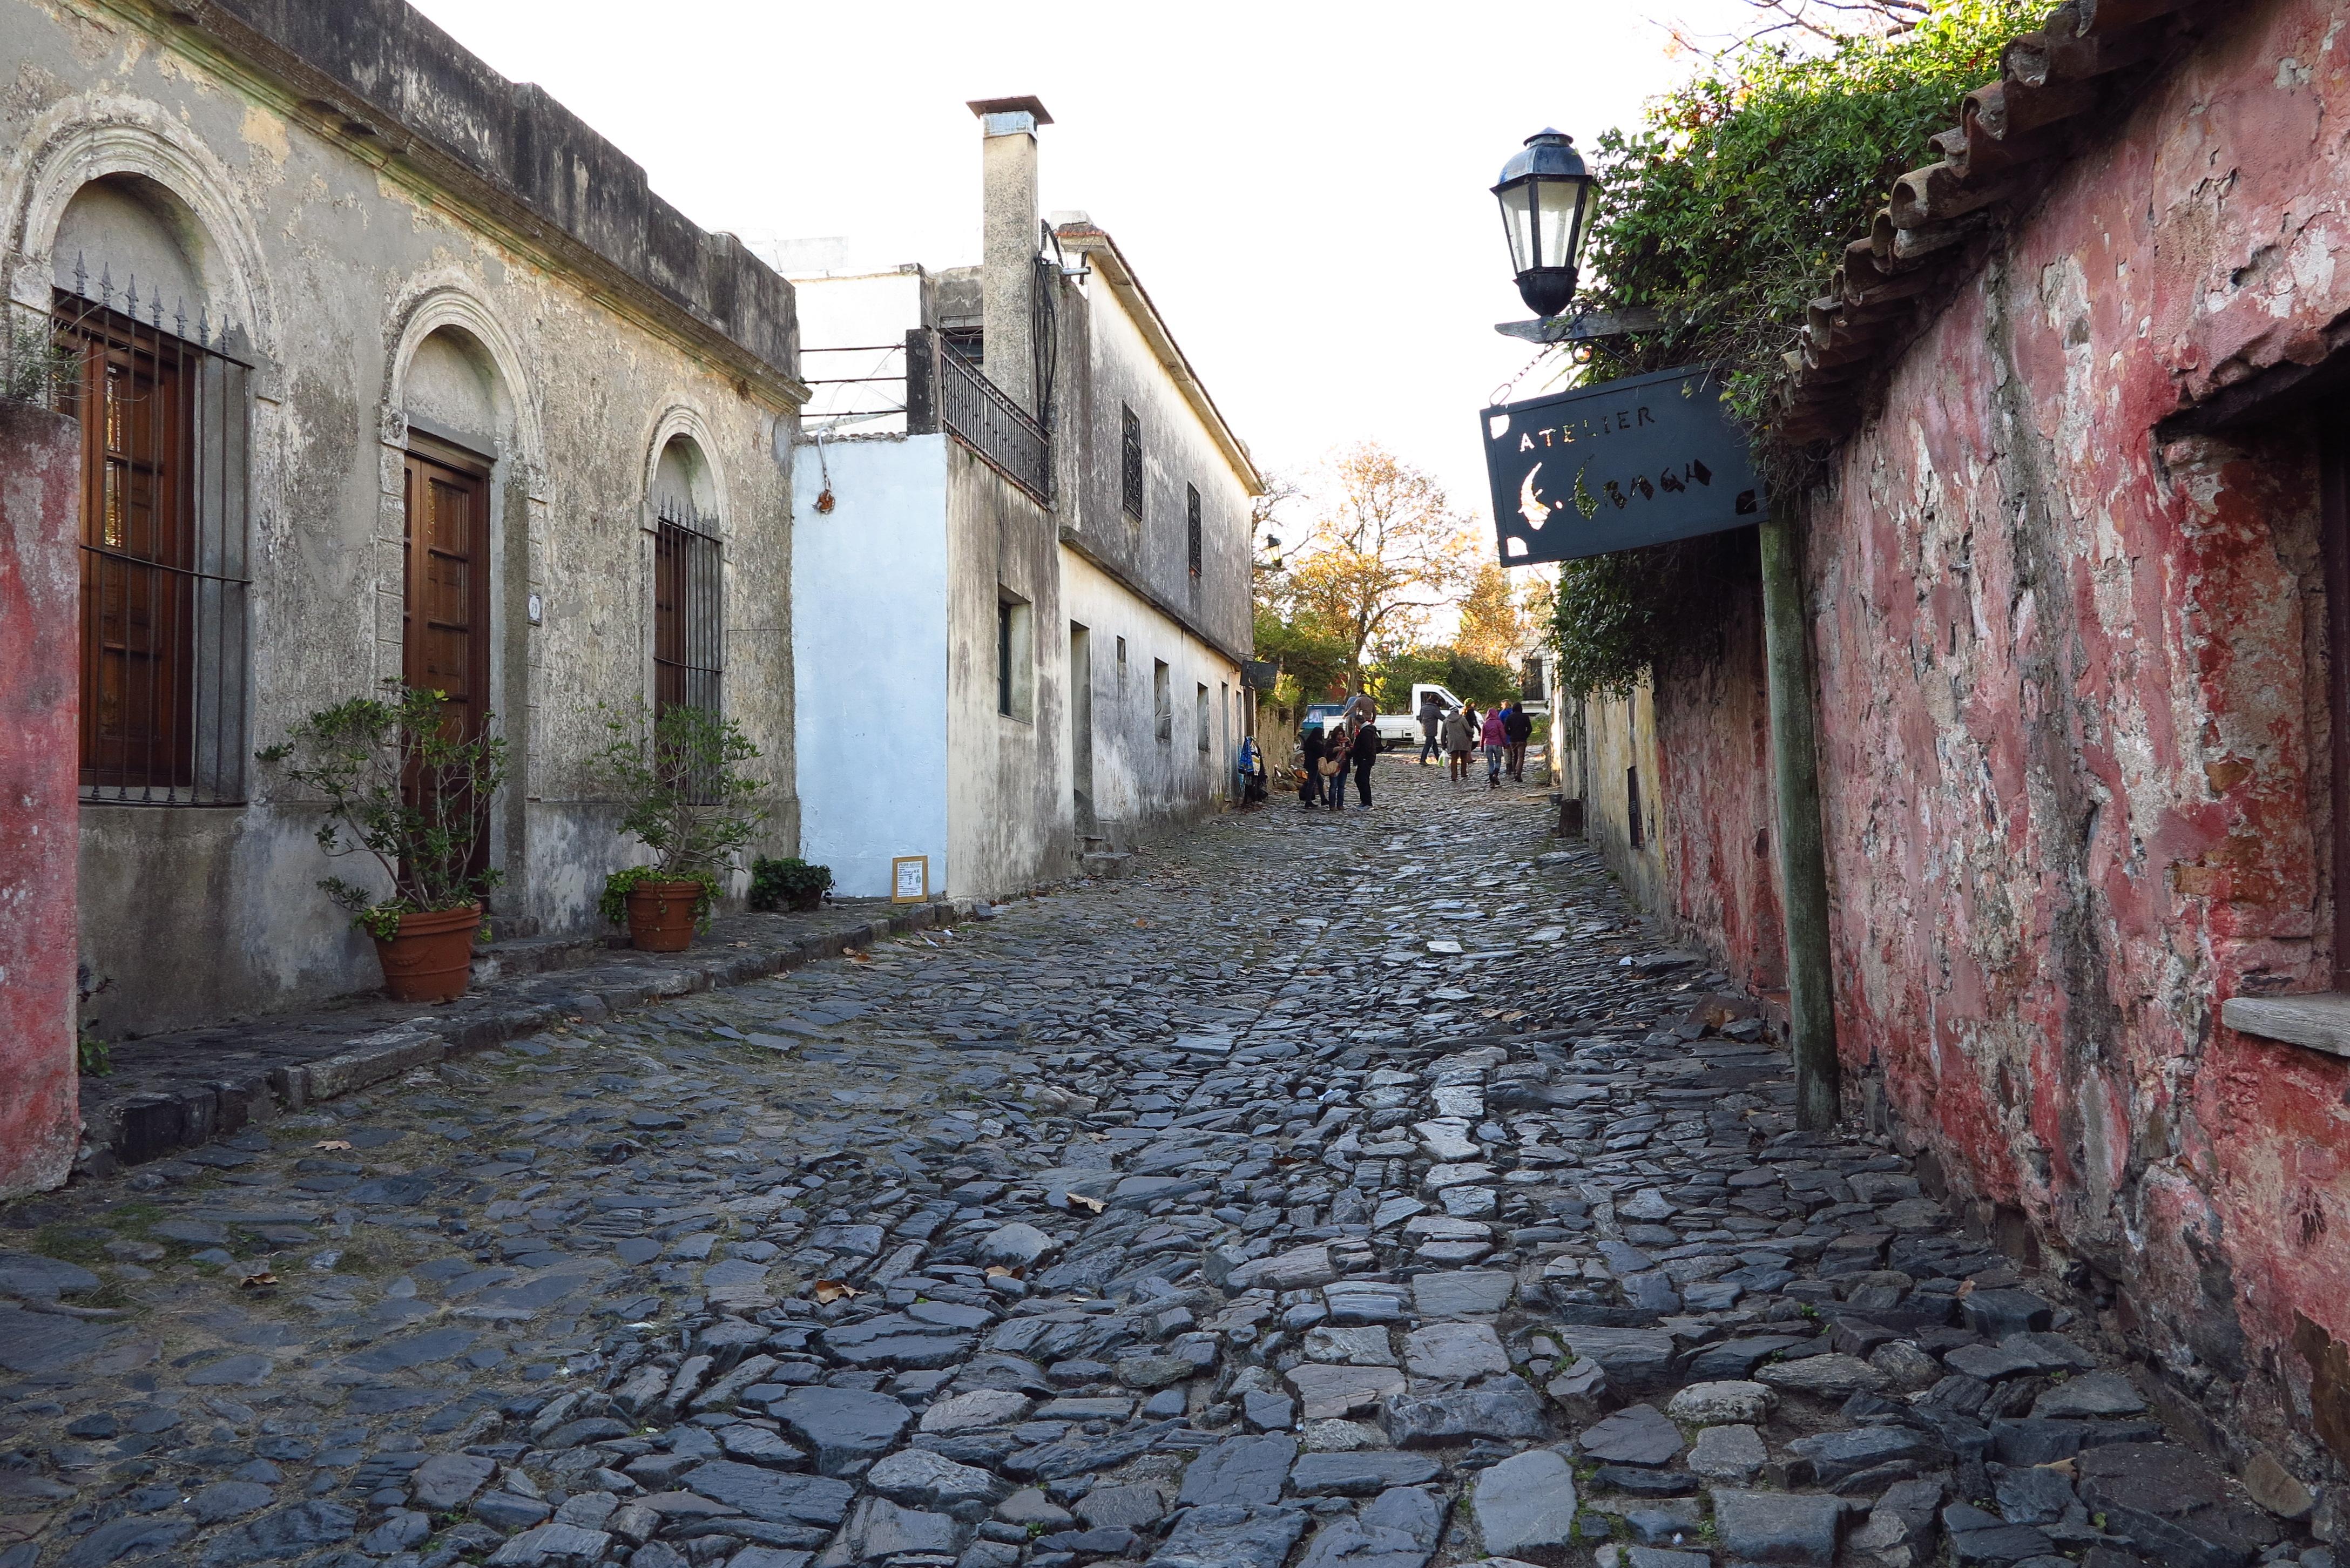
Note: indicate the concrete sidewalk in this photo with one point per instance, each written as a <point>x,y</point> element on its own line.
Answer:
<point>176,1091</point>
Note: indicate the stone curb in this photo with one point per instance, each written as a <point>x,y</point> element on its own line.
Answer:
<point>149,1126</point>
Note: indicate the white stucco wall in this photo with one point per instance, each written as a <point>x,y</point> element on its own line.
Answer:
<point>1140,783</point>
<point>869,657</point>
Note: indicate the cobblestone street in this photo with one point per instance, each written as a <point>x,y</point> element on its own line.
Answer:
<point>1357,1191</point>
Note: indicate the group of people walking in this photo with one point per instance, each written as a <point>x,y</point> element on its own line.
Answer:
<point>1502,732</point>
<point>1351,743</point>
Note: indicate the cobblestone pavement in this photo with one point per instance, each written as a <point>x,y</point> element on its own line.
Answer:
<point>1359,1192</point>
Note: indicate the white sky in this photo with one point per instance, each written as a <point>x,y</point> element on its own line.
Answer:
<point>1303,186</point>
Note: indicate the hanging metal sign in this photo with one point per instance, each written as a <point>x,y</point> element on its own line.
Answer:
<point>1616,466</point>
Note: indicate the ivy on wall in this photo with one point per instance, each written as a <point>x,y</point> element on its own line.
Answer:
<point>1724,212</point>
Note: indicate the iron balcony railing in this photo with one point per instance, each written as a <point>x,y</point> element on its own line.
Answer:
<point>946,391</point>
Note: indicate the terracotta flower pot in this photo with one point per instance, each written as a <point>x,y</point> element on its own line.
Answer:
<point>432,959</point>
<point>660,916</point>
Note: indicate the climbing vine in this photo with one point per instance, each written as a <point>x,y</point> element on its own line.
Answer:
<point>1724,212</point>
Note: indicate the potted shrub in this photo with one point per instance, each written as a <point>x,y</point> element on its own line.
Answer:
<point>399,789</point>
<point>684,797</point>
<point>790,883</point>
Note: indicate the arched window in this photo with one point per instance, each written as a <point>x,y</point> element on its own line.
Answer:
<point>452,401</point>
<point>689,601</point>
<point>164,416</point>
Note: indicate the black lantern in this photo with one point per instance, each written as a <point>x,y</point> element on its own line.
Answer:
<point>1545,194</point>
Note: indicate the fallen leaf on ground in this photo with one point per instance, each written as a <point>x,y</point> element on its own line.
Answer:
<point>251,1280</point>
<point>998,1271</point>
<point>1093,1205</point>
<point>826,1292</point>
<point>332,1143</point>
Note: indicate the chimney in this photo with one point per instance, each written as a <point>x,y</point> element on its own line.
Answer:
<point>1006,273</point>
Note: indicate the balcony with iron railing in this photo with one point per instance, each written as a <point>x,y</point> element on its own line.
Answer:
<point>924,386</point>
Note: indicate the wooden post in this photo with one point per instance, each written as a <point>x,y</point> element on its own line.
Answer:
<point>1803,857</point>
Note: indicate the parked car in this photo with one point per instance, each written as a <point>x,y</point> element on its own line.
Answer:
<point>1318,716</point>
<point>1403,729</point>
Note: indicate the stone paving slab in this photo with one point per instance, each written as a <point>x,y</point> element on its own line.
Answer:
<point>182,1090</point>
<point>960,1253</point>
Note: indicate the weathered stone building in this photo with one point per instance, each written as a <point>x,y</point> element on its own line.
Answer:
<point>1021,583</point>
<point>2080,580</point>
<point>377,317</point>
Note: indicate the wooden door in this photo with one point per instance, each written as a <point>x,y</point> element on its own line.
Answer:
<point>445,622</point>
<point>445,607</point>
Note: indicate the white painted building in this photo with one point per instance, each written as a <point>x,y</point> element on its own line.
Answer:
<point>1020,573</point>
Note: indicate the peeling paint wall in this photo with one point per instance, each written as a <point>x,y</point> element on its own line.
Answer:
<point>1619,741</point>
<point>1009,814</point>
<point>2073,733</point>
<point>41,716</point>
<point>383,285</point>
<point>1713,762</point>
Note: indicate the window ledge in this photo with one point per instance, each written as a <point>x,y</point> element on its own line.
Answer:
<point>2318,1020</point>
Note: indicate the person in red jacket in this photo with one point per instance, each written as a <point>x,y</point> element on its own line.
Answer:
<point>1494,736</point>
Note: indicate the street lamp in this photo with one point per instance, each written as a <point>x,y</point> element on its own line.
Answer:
<point>1545,194</point>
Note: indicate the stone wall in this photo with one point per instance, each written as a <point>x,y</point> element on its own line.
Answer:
<point>2073,736</point>
<point>40,717</point>
<point>485,270</point>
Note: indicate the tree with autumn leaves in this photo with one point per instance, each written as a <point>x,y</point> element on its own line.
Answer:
<point>1384,550</point>
<point>1348,606</point>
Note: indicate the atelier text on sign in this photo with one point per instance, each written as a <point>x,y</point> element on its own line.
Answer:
<point>1616,466</point>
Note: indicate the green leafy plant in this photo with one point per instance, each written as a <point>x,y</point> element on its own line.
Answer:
<point>36,365</point>
<point>92,1055</point>
<point>790,882</point>
<point>684,795</point>
<point>402,787</point>
<point>614,905</point>
<point>1724,212</point>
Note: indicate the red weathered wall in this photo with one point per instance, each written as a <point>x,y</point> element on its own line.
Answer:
<point>1714,745</point>
<point>2072,725</point>
<point>40,596</point>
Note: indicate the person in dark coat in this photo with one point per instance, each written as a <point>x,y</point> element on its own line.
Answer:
<point>1366,750</point>
<point>1431,720</point>
<point>1520,729</point>
<point>1309,794</point>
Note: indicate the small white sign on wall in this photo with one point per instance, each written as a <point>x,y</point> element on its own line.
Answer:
<point>909,878</point>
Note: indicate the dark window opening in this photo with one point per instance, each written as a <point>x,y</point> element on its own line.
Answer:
<point>1192,522</point>
<point>1129,466</point>
<point>1016,657</point>
<point>689,618</point>
<point>1632,806</point>
<point>969,343</point>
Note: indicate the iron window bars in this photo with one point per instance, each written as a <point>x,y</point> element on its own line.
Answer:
<point>1129,461</point>
<point>945,390</point>
<point>689,618</point>
<point>165,416</point>
<point>1192,526</point>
